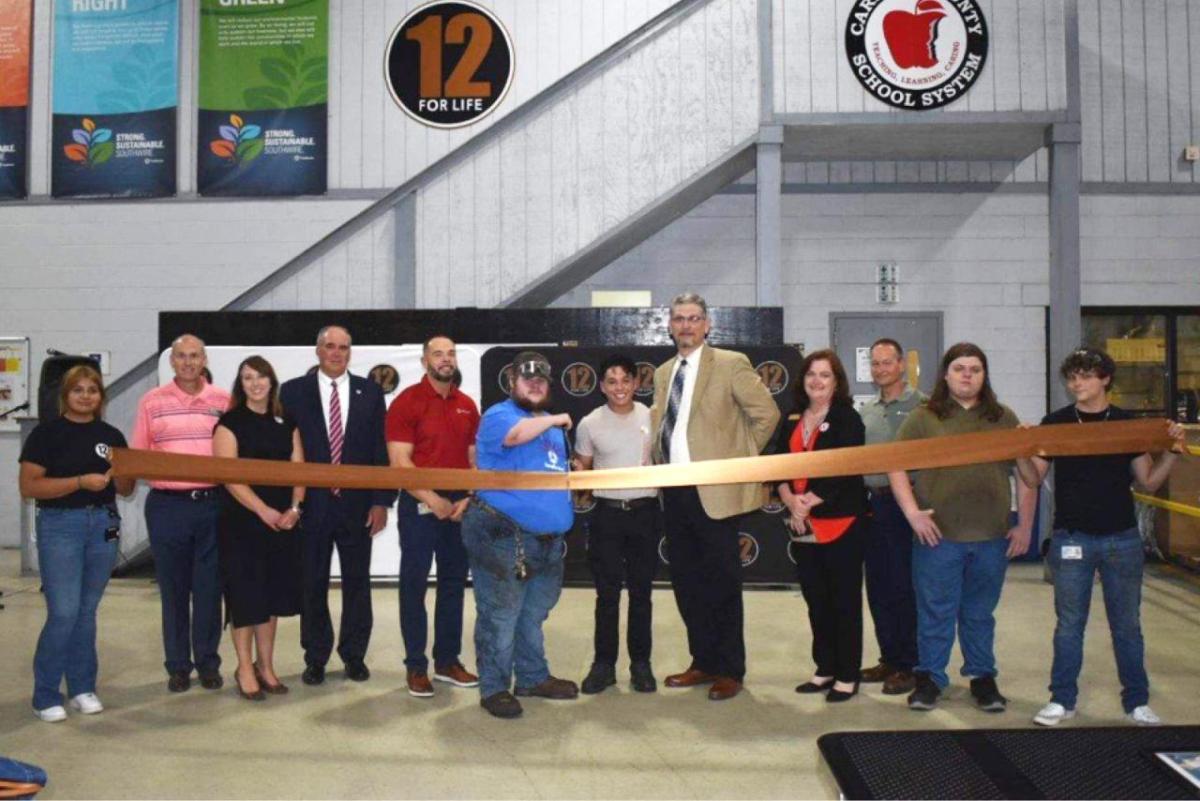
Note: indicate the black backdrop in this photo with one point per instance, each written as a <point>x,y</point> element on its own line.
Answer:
<point>763,539</point>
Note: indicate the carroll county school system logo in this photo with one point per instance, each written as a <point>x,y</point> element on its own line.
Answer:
<point>240,141</point>
<point>92,145</point>
<point>916,54</point>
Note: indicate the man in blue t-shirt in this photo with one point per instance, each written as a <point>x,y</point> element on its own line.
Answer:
<point>514,542</point>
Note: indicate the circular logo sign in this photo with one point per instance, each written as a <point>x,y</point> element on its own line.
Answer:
<point>774,505</point>
<point>504,380</point>
<point>102,450</point>
<point>774,375</point>
<point>449,63</point>
<point>916,54</point>
<point>386,376</point>
<point>791,551</point>
<point>662,551</point>
<point>579,379</point>
<point>645,377</point>
<point>748,547</point>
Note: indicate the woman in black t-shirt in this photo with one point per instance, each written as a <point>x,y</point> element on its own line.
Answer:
<point>65,469</point>
<point>1095,531</point>
<point>259,543</point>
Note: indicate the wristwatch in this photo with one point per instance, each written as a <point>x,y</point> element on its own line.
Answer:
<point>298,508</point>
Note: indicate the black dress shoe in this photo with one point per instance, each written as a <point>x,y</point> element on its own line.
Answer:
<point>211,680</point>
<point>812,687</point>
<point>641,677</point>
<point>179,682</point>
<point>598,678</point>
<point>357,671</point>
<point>835,696</point>
<point>313,675</point>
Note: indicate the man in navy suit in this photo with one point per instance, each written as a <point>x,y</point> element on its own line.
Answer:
<point>340,417</point>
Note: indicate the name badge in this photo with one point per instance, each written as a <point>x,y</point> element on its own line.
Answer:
<point>1072,552</point>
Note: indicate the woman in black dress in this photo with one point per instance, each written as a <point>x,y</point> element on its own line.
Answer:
<point>259,542</point>
<point>827,517</point>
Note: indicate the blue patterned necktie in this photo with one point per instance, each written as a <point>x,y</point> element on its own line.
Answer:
<point>672,414</point>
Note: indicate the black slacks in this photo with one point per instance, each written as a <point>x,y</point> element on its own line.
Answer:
<point>623,551</point>
<point>706,574</point>
<point>831,579</point>
<point>353,542</point>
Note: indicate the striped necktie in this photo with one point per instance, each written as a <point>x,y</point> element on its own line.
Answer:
<point>336,435</point>
<point>672,414</point>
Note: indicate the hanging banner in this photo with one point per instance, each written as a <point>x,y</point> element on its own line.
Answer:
<point>115,96</point>
<point>16,23</point>
<point>263,97</point>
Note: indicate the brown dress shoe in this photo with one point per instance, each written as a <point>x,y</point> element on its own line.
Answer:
<point>724,688</point>
<point>689,678</point>
<point>557,689</point>
<point>899,683</point>
<point>455,674</point>
<point>419,685</point>
<point>876,674</point>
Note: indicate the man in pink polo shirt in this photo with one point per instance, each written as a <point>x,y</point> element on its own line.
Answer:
<point>181,517</point>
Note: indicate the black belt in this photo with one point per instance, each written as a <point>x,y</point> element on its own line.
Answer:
<point>627,505</point>
<point>202,494</point>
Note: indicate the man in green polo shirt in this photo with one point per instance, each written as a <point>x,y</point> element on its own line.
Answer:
<point>889,546</point>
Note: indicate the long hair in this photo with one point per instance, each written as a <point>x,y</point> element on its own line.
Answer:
<point>841,393</point>
<point>942,404</point>
<point>81,372</point>
<point>263,367</point>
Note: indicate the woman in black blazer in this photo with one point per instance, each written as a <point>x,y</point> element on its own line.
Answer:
<point>827,517</point>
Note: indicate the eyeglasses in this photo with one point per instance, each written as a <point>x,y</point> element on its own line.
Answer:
<point>534,369</point>
<point>679,319</point>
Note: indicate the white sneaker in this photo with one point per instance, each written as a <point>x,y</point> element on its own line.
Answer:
<point>87,703</point>
<point>1053,714</point>
<point>51,714</point>
<point>1144,716</point>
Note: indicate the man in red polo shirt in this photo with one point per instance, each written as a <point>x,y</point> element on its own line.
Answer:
<point>432,424</point>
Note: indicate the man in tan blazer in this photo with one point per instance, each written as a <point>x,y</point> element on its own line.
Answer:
<point>708,404</point>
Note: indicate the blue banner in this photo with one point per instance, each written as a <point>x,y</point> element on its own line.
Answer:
<point>115,98</point>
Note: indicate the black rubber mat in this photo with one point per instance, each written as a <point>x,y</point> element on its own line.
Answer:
<point>1109,762</point>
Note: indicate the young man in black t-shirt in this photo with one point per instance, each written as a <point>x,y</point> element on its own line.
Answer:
<point>1095,530</point>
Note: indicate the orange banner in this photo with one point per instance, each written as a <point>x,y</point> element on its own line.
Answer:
<point>16,26</point>
<point>1128,436</point>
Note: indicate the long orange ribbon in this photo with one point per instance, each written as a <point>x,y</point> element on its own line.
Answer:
<point>1127,436</point>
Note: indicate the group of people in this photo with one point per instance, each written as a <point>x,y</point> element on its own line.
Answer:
<point>934,544</point>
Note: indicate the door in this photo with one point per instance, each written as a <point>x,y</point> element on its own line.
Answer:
<point>920,333</point>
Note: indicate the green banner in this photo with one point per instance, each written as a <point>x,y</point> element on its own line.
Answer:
<point>264,89</point>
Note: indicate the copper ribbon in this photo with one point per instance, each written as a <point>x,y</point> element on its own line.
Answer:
<point>1127,436</point>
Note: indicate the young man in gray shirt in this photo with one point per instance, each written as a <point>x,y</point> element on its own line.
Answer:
<point>623,533</point>
<point>888,560</point>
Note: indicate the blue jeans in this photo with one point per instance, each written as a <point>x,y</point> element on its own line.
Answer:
<point>958,582</point>
<point>1119,558</point>
<point>422,536</point>
<point>508,612</point>
<point>75,563</point>
<point>887,557</point>
<point>183,539</point>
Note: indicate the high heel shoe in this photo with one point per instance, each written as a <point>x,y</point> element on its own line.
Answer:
<point>273,689</point>
<point>257,695</point>
<point>835,696</point>
<point>812,687</point>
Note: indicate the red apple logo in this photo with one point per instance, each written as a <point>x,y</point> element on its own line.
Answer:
<point>910,36</point>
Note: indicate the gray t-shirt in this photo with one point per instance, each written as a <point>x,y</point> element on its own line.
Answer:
<point>882,421</point>
<point>616,440</point>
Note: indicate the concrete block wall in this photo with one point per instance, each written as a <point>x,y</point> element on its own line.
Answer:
<point>980,258</point>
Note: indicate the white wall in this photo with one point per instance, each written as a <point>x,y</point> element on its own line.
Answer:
<point>980,258</point>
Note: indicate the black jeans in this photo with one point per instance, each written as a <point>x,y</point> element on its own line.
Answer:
<point>706,574</point>
<point>623,550</point>
<point>888,561</point>
<point>831,579</point>
<point>353,540</point>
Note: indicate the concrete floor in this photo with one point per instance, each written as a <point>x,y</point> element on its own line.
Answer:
<point>374,741</point>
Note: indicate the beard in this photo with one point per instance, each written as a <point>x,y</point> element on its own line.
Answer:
<point>445,375</point>
<point>532,406</point>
